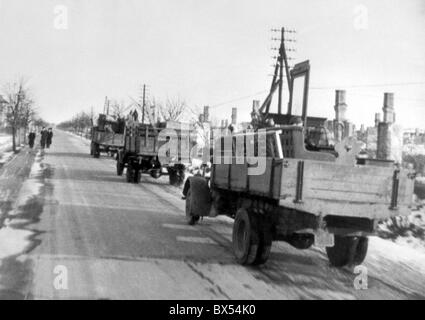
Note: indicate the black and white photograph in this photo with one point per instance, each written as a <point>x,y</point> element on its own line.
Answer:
<point>192,151</point>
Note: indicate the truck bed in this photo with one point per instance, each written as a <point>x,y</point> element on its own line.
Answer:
<point>110,139</point>
<point>323,188</point>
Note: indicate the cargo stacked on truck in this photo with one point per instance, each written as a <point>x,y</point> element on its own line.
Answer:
<point>107,135</point>
<point>160,149</point>
<point>296,186</point>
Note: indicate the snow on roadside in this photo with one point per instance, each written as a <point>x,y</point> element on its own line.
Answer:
<point>398,252</point>
<point>14,241</point>
<point>5,143</point>
<point>6,153</point>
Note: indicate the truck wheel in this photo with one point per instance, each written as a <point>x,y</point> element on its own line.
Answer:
<point>190,217</point>
<point>180,175</point>
<point>120,168</point>
<point>347,250</point>
<point>96,150</point>
<point>361,250</point>
<point>245,238</point>
<point>137,176</point>
<point>130,173</point>
<point>91,149</point>
<point>172,176</point>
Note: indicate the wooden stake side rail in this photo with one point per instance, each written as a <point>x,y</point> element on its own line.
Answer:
<point>322,188</point>
<point>108,138</point>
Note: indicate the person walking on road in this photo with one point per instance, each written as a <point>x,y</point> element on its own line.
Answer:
<point>43,137</point>
<point>49,138</point>
<point>31,139</point>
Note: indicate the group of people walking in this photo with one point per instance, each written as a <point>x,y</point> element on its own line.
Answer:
<point>46,136</point>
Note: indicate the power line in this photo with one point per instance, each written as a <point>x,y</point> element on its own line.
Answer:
<point>333,88</point>
<point>370,85</point>
<point>238,99</point>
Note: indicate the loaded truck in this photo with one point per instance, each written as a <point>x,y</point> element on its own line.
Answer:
<point>107,136</point>
<point>310,191</point>
<point>142,151</point>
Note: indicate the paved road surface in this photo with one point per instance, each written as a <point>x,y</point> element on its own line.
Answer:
<point>74,218</point>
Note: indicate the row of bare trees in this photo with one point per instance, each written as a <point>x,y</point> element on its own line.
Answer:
<point>79,124</point>
<point>20,110</point>
<point>155,110</point>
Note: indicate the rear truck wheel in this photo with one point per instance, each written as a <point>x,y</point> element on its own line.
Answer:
<point>130,173</point>
<point>120,168</point>
<point>347,251</point>
<point>191,218</point>
<point>246,238</point>
<point>361,251</point>
<point>180,175</point>
<point>172,176</point>
<point>96,150</point>
<point>137,176</point>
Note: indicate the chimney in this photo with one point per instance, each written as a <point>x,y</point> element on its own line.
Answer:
<point>388,144</point>
<point>207,114</point>
<point>388,108</point>
<point>340,105</point>
<point>377,119</point>
<point>234,116</point>
<point>340,118</point>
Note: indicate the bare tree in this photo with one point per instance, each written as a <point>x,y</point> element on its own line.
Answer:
<point>119,109</point>
<point>173,109</point>
<point>20,107</point>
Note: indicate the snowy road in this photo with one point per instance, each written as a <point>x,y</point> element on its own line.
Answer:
<point>76,230</point>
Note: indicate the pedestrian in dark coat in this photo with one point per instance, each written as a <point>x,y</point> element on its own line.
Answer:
<point>31,139</point>
<point>43,137</point>
<point>49,138</point>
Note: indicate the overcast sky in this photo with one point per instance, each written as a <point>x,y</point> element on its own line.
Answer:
<point>215,53</point>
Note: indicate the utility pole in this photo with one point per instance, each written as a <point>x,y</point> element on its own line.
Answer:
<point>282,62</point>
<point>281,53</point>
<point>144,103</point>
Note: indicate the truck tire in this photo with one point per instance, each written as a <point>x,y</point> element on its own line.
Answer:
<point>361,251</point>
<point>120,168</point>
<point>191,219</point>
<point>180,175</point>
<point>96,150</point>
<point>347,251</point>
<point>130,173</point>
<point>172,174</point>
<point>245,238</point>
<point>137,176</point>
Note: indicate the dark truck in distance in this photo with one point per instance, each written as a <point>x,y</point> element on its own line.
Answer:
<point>107,136</point>
<point>309,193</point>
<point>142,144</point>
